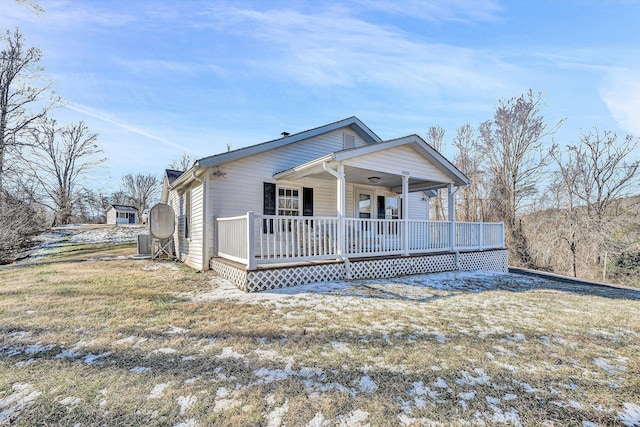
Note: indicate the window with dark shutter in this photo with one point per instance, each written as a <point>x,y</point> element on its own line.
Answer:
<point>307,201</point>
<point>268,206</point>
<point>269,200</point>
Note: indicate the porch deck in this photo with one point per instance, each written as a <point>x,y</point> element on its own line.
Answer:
<point>269,251</point>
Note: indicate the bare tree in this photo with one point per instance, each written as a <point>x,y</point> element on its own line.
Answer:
<point>512,144</point>
<point>468,159</point>
<point>19,222</point>
<point>181,163</point>
<point>435,138</point>
<point>19,71</point>
<point>595,177</point>
<point>141,189</point>
<point>605,174</point>
<point>61,159</point>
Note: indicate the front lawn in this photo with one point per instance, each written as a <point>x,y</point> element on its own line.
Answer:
<point>115,341</point>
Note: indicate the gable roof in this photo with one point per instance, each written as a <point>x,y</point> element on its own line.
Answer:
<point>353,122</point>
<point>172,174</point>
<point>123,208</point>
<point>421,146</point>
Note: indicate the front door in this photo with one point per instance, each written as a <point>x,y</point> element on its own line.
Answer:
<point>132,218</point>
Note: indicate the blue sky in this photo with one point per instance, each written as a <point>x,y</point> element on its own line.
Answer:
<point>155,78</point>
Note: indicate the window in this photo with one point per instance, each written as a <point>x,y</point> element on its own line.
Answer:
<point>391,207</point>
<point>288,201</point>
<point>187,216</point>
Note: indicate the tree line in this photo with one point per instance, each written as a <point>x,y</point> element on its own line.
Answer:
<point>45,166</point>
<point>571,208</point>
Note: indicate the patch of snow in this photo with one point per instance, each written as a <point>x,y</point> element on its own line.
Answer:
<point>158,391</point>
<point>353,419</point>
<point>67,354</point>
<point>186,402</point>
<point>37,348</point>
<point>467,395</point>
<point>318,421</point>
<point>70,401</point>
<point>91,358</point>
<point>575,404</point>
<point>340,347</point>
<point>492,400</point>
<point>589,424</point>
<point>139,369</point>
<point>367,385</point>
<point>274,418</point>
<point>224,404</point>
<point>227,352</point>
<point>270,375</point>
<point>631,414</point>
<point>132,339</point>
<point>176,330</point>
<point>608,367</point>
<point>509,396</point>
<point>441,383</point>
<point>166,350</point>
<point>26,362</point>
<point>21,397</point>
<point>222,392</point>
<point>187,423</point>
<point>480,379</point>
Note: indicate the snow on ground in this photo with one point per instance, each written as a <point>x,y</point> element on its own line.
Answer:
<point>50,242</point>
<point>22,396</point>
<point>416,288</point>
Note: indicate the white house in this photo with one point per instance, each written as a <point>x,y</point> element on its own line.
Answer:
<point>327,203</point>
<point>122,214</point>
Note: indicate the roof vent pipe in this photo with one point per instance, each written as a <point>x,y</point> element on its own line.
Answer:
<point>285,134</point>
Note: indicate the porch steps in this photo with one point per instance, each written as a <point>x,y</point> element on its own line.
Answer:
<point>294,274</point>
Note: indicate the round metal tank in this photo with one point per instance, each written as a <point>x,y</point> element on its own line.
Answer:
<point>162,221</point>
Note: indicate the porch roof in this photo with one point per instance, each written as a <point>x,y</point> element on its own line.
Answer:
<point>389,174</point>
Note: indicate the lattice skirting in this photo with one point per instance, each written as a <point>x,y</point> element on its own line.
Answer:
<point>282,277</point>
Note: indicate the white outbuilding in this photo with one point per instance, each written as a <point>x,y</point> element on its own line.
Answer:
<point>122,214</point>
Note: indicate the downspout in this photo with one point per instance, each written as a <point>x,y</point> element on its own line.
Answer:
<point>339,175</point>
<point>205,255</point>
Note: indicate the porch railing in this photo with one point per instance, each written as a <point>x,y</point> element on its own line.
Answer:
<point>255,239</point>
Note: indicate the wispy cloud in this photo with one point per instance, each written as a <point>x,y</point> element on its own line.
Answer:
<point>332,48</point>
<point>101,115</point>
<point>621,93</point>
<point>450,10</point>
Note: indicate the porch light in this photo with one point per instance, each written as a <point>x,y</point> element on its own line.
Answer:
<point>373,179</point>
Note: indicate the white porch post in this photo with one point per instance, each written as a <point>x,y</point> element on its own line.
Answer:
<point>251,250</point>
<point>405,215</point>
<point>342,211</point>
<point>452,216</point>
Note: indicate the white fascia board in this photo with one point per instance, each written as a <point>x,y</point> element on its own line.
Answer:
<point>303,167</point>
<point>185,178</point>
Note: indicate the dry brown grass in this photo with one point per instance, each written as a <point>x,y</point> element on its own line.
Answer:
<point>125,342</point>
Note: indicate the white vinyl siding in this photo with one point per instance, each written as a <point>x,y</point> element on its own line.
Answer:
<point>241,191</point>
<point>188,207</point>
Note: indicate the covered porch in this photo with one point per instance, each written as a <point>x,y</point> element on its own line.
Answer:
<point>373,214</point>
